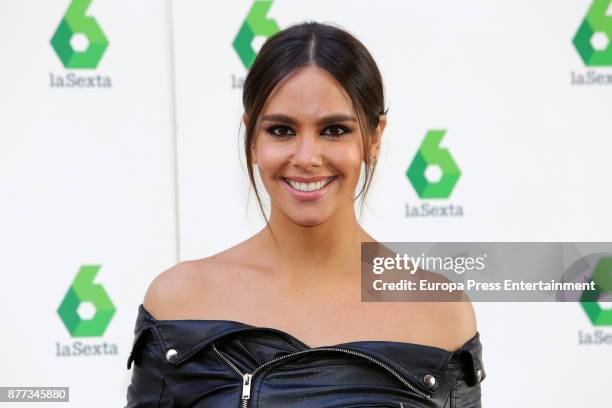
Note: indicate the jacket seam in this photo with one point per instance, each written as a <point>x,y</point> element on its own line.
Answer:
<point>260,385</point>
<point>166,385</point>
<point>454,393</point>
<point>159,339</point>
<point>440,367</point>
<point>448,403</point>
<point>161,373</point>
<point>161,394</point>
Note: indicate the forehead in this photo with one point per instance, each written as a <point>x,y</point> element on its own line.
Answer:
<point>309,93</point>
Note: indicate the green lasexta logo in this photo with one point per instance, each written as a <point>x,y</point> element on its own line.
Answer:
<point>430,154</point>
<point>76,22</point>
<point>255,24</point>
<point>594,37</point>
<point>84,290</point>
<point>602,276</point>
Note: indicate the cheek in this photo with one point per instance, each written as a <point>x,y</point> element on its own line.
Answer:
<point>270,160</point>
<point>348,160</point>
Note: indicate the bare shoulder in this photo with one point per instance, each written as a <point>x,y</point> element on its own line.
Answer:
<point>456,322</point>
<point>446,324</point>
<point>175,292</point>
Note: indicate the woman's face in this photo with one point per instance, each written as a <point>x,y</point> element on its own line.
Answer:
<point>308,147</point>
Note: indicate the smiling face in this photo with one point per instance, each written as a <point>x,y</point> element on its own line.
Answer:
<point>309,147</point>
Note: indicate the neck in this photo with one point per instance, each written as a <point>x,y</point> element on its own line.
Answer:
<point>308,254</point>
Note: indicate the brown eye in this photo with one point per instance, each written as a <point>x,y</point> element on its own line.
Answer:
<point>283,131</point>
<point>340,131</point>
<point>273,131</point>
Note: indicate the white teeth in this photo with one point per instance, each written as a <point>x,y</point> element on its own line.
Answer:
<point>309,186</point>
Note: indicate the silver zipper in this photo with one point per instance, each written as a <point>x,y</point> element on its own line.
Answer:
<point>247,377</point>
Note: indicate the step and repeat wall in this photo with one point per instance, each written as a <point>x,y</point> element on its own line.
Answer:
<point>120,155</point>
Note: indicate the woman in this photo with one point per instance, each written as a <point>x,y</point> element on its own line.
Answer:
<point>277,320</point>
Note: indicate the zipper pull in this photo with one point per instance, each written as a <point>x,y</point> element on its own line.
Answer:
<point>246,386</point>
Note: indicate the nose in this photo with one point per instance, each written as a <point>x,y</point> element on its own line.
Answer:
<point>307,153</point>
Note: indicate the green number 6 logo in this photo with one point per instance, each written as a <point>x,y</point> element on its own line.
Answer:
<point>76,22</point>
<point>430,153</point>
<point>84,290</point>
<point>593,38</point>
<point>602,276</point>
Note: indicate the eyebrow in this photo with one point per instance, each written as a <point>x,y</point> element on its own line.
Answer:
<point>280,117</point>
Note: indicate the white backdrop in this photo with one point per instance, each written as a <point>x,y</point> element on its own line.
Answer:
<point>149,171</point>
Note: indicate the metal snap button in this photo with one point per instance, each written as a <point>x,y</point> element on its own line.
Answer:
<point>429,380</point>
<point>479,375</point>
<point>171,355</point>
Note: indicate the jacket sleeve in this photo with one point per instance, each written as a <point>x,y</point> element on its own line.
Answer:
<point>464,395</point>
<point>466,391</point>
<point>148,387</point>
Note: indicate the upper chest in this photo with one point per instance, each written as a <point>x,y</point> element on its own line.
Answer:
<point>329,313</point>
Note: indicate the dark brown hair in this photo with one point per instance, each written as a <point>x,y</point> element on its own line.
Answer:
<point>330,48</point>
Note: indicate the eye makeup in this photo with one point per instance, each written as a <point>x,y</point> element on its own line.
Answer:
<point>340,131</point>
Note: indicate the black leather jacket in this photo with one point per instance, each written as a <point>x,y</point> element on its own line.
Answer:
<point>225,363</point>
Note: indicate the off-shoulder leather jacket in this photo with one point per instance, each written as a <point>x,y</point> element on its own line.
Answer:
<point>225,363</point>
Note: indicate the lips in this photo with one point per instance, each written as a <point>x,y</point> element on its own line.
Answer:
<point>308,179</point>
<point>312,190</point>
<point>308,184</point>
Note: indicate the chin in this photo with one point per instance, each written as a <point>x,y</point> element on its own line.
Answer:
<point>307,221</point>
